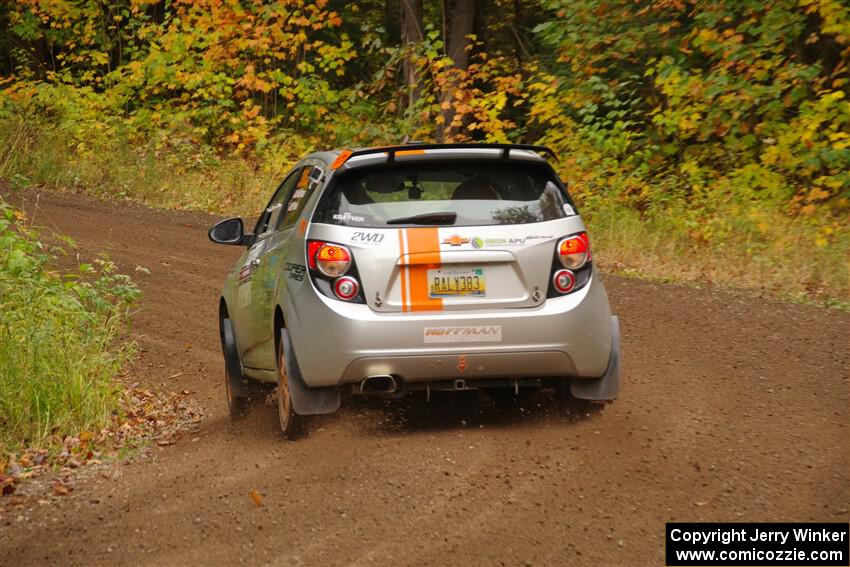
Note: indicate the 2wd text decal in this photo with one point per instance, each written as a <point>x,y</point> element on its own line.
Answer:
<point>368,237</point>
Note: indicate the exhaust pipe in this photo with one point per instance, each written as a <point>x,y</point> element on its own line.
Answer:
<point>379,384</point>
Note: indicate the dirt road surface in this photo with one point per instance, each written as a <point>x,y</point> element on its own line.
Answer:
<point>733,409</point>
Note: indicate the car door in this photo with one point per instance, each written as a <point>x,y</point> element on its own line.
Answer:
<point>276,254</point>
<point>250,331</point>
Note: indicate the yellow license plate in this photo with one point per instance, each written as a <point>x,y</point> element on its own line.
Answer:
<point>456,283</point>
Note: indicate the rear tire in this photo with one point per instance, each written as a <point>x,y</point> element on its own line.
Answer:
<point>237,388</point>
<point>237,406</point>
<point>290,422</point>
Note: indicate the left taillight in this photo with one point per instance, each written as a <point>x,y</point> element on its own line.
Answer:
<point>332,260</point>
<point>333,271</point>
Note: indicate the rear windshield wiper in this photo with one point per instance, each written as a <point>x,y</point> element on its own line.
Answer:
<point>426,218</point>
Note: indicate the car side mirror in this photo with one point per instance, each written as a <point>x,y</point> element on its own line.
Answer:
<point>230,231</point>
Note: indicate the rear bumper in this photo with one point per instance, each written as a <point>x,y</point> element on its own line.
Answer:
<point>338,343</point>
<point>426,368</point>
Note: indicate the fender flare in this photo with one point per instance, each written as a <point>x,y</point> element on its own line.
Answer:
<point>608,386</point>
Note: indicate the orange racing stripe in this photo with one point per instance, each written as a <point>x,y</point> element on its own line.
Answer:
<point>402,270</point>
<point>423,247</point>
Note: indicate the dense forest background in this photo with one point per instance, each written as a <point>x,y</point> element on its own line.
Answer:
<point>704,140</point>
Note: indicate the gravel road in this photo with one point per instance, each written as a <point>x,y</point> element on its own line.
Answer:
<point>733,408</point>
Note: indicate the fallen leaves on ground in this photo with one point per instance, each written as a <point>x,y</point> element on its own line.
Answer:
<point>147,417</point>
<point>7,484</point>
<point>256,498</point>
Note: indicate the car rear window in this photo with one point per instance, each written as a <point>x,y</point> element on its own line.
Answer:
<point>471,194</point>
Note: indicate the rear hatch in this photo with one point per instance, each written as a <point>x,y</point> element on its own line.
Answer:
<point>448,235</point>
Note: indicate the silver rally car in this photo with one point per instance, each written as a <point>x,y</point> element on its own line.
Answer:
<point>415,267</point>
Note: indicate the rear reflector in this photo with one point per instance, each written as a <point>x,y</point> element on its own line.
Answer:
<point>346,288</point>
<point>564,281</point>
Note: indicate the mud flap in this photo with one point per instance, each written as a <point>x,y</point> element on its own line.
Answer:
<point>241,386</point>
<point>306,400</point>
<point>608,386</point>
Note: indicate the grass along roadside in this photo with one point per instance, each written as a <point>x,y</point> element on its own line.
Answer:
<point>784,257</point>
<point>59,333</point>
<point>785,262</point>
<point>65,398</point>
<point>169,172</point>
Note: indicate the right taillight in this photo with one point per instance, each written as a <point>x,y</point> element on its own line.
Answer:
<point>574,251</point>
<point>571,266</point>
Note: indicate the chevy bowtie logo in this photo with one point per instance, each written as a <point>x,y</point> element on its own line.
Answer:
<point>455,240</point>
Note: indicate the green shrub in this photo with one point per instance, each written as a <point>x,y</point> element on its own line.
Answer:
<point>59,339</point>
<point>167,171</point>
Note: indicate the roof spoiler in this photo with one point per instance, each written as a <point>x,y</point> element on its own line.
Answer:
<point>412,148</point>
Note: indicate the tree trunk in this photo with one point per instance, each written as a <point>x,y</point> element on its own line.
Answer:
<point>411,34</point>
<point>461,17</point>
<point>460,21</point>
